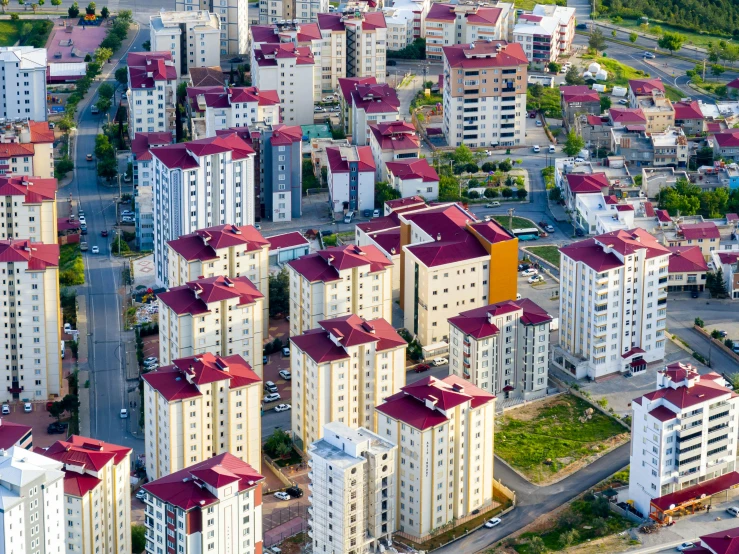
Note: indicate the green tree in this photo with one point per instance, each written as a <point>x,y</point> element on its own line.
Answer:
<point>106,90</point>
<point>448,189</point>
<point>487,167</point>
<point>574,144</point>
<point>383,193</point>
<point>73,11</point>
<point>14,17</point>
<point>57,410</point>
<point>717,70</point>
<point>597,41</point>
<point>555,194</point>
<point>65,124</point>
<point>279,293</point>
<point>505,165</point>
<point>121,75</point>
<point>4,4</point>
<point>90,9</point>
<point>102,55</point>
<point>656,30</point>
<point>26,29</point>
<point>522,194</point>
<point>605,102</point>
<point>633,37</point>
<point>56,3</point>
<point>554,67</point>
<point>490,193</point>
<point>146,45</point>
<point>568,538</point>
<point>536,545</point>
<point>107,168</point>
<point>507,192</point>
<point>279,444</point>
<point>105,12</point>
<point>671,41</point>
<point>138,538</point>
<point>103,148</point>
<point>463,155</point>
<point>103,104</point>
<point>573,77</point>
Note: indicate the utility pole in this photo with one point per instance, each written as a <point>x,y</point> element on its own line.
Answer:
<point>704,69</point>
<point>510,218</point>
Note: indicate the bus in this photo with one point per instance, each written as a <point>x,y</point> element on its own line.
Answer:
<point>529,233</point>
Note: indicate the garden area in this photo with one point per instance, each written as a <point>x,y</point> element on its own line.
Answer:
<point>279,447</point>
<point>29,32</point>
<point>548,253</point>
<point>547,440</point>
<point>71,268</point>
<point>514,222</point>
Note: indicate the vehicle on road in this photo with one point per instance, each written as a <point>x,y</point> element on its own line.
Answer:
<point>391,62</point>
<point>141,494</point>
<point>649,55</point>
<point>94,109</point>
<point>581,26</point>
<point>536,279</point>
<point>723,334</point>
<point>420,368</point>
<point>95,250</point>
<point>285,374</point>
<point>127,178</point>
<point>295,491</point>
<point>319,109</point>
<point>6,409</point>
<point>83,246</point>
<point>552,149</point>
<point>524,238</point>
<point>733,510</point>
<point>349,216</point>
<point>124,413</point>
<point>529,272</point>
<point>88,157</point>
<point>536,148</point>
<point>336,109</point>
<point>286,351</point>
<point>83,221</point>
<point>27,407</point>
<point>264,359</point>
<point>282,495</point>
<point>127,219</point>
<point>538,123</point>
<point>329,98</point>
<point>104,233</point>
<point>548,228</point>
<point>492,204</point>
<point>695,294</point>
<point>532,114</point>
<point>272,397</point>
<point>128,213</point>
<point>684,546</point>
<point>579,232</point>
<point>269,386</point>
<point>376,213</point>
<point>282,407</point>
<point>492,522</point>
<point>439,361</point>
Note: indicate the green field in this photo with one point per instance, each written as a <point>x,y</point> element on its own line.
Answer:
<point>529,4</point>
<point>619,74</point>
<point>518,222</point>
<point>692,37</point>
<point>544,438</point>
<point>549,253</point>
<point>10,31</point>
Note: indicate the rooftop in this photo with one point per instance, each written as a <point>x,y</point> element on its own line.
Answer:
<point>39,256</point>
<point>696,231</point>
<point>687,258</point>
<point>195,297</point>
<point>413,169</point>
<point>34,190</point>
<point>599,253</point>
<point>12,433</point>
<point>342,158</point>
<point>184,155</point>
<point>396,135</point>
<point>483,54</point>
<point>325,265</point>
<point>479,15</point>
<point>645,87</point>
<point>146,68</point>
<point>375,98</point>
<point>287,240</point>
<point>203,244</point>
<point>478,322</point>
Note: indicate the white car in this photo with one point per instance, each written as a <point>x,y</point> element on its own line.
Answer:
<point>492,204</point>
<point>536,279</point>
<point>286,352</point>
<point>95,250</point>
<point>285,374</point>
<point>529,272</point>
<point>492,522</point>
<point>318,109</point>
<point>649,55</point>
<point>150,360</point>
<point>141,494</point>
<point>439,361</point>
<point>282,495</point>
<point>127,219</point>
<point>125,213</point>
<point>536,148</point>
<point>329,98</point>
<point>579,160</point>
<point>124,413</point>
<point>272,397</point>
<point>282,407</point>
<point>27,407</point>
<point>6,409</point>
<point>538,123</point>
<point>685,546</point>
<point>623,102</point>
<point>83,221</point>
<point>376,213</point>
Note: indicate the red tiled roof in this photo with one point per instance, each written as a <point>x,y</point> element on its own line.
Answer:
<point>316,344</point>
<point>352,330</point>
<point>686,258</point>
<point>325,265</point>
<point>705,389</point>
<point>663,413</point>
<point>286,134</point>
<point>175,156</point>
<point>491,231</point>
<point>687,110</point>
<point>410,201</point>
<point>203,243</point>
<point>144,141</point>
<point>732,217</point>
<point>591,254</point>
<point>733,84</point>
<point>171,384</point>
<point>349,84</point>
<point>706,230</point>
<point>40,132</point>
<point>380,223</point>
<point>413,169</point>
<point>649,209</point>
<point>145,68</point>
<point>206,76</point>
<point>373,20</point>
<point>182,488</point>
<point>627,116</point>
<point>330,22</point>
<point>16,149</point>
<point>225,97</point>
<point>596,120</point>
<point>580,183</point>
<point>663,216</point>
<point>11,433</point>
<point>481,16</point>
<point>33,189</point>
<point>182,155</point>
<point>441,12</point>
<point>628,242</point>
<point>38,255</point>
<point>624,208</point>
<point>645,87</point>
<point>388,240</point>
<point>339,164</point>
<point>485,54</point>
<point>579,93</point>
<point>375,98</point>
<point>706,488</point>
<point>287,240</point>
<point>194,297</point>
<point>261,34</point>
<point>396,135</point>
<point>476,323</point>
<point>721,542</point>
<point>728,258</point>
<point>409,405</point>
<point>268,54</point>
<point>728,138</point>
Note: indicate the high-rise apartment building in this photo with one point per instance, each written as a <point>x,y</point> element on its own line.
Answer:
<point>445,430</point>
<point>24,73</point>
<point>303,11</point>
<point>340,371</point>
<point>352,490</point>
<point>192,37</point>
<point>613,304</point>
<point>27,149</point>
<point>485,94</point>
<point>200,184</point>
<point>337,282</point>
<point>30,209</point>
<point>234,20</point>
<point>199,407</point>
<point>97,495</point>
<point>152,93</point>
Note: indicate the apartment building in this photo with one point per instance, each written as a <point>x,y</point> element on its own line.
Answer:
<point>273,11</point>
<point>184,428</point>
<point>450,263</point>
<point>340,371</point>
<point>336,282</point>
<point>576,100</point>
<point>433,422</point>
<point>225,250</point>
<point>413,177</point>
<point>219,315</point>
<point>728,261</point>
<point>24,74</point>
<point>192,37</point>
<point>466,23</point>
<point>350,178</point>
<point>352,481</point>
<point>27,148</point>
<point>705,235</point>
<point>188,197</point>
<point>682,434</point>
<point>305,35</point>
<point>391,142</point>
<point>480,107</point>
<point>142,162</point>
<point>288,69</point>
<point>97,494</point>
<point>538,35</point>
<point>658,111</point>
<point>30,212</point>
<point>406,22</point>
<point>32,494</point>
<point>213,109</point>
<point>234,20</point>
<point>152,93</point>
<point>35,285</point>
<point>144,214</point>
<point>502,348</point>
<point>687,269</point>
<point>565,17</point>
<point>15,434</point>
<point>371,104</point>
<point>214,505</point>
<point>644,88</point>
<point>613,297</point>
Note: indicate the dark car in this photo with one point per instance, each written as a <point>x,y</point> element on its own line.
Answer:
<point>103,233</point>
<point>694,294</point>
<point>236,60</point>
<point>367,213</point>
<point>83,230</point>
<point>327,233</point>
<point>532,114</point>
<point>56,428</point>
<point>523,267</point>
<point>295,492</point>
<point>420,368</point>
<point>579,232</point>
<point>391,62</point>
<point>582,26</point>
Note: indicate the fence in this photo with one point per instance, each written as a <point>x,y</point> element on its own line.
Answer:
<point>284,515</point>
<point>272,538</point>
<point>278,472</point>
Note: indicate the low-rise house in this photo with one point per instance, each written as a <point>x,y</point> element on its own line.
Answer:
<point>705,235</point>
<point>726,145</point>
<point>687,269</point>
<point>644,88</point>
<point>658,110</point>
<point>391,142</point>
<point>576,100</point>
<point>413,177</point>
<point>688,115</point>
<point>286,247</point>
<point>728,262</point>
<point>371,104</point>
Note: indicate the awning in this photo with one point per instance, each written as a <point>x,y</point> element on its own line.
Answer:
<point>696,492</point>
<point>508,388</point>
<point>638,363</point>
<point>632,352</point>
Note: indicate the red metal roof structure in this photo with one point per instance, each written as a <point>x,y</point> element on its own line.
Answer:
<point>413,169</point>
<point>483,54</point>
<point>645,87</point>
<point>696,492</point>
<point>287,240</point>
<point>194,297</point>
<point>687,258</point>
<point>705,230</point>
<point>325,265</point>
<point>33,189</point>
<point>204,243</point>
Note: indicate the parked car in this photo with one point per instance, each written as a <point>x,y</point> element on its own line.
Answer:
<point>695,294</point>
<point>723,334</point>
<point>124,413</point>
<point>295,491</point>
<point>532,114</point>
<point>492,204</point>
<point>6,409</point>
<point>282,407</point>
<point>684,546</point>
<point>420,368</point>
<point>735,348</point>
<point>141,494</point>
<point>151,360</point>
<point>552,149</point>
<point>95,250</point>
<point>128,219</point>
<point>285,374</point>
<point>536,279</point>
<point>269,386</point>
<point>733,510</point>
<point>391,62</point>
<point>529,272</point>
<point>88,157</point>
<point>523,267</point>
<point>327,233</point>
<point>439,361</point>
<point>492,522</point>
<point>623,101</point>
<point>548,228</point>
<point>125,213</point>
<point>367,213</point>
<point>272,397</point>
<point>318,109</point>
<point>282,495</point>
<point>536,148</point>
<point>579,232</point>
<point>376,213</point>
<point>56,428</point>
<point>286,351</point>
<point>538,123</point>
<point>27,407</point>
<point>329,98</point>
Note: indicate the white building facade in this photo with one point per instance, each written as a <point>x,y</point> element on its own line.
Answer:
<point>192,37</point>
<point>23,71</point>
<point>234,19</point>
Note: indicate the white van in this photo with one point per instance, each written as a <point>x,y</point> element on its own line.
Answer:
<point>734,510</point>
<point>439,361</point>
<point>552,149</point>
<point>349,217</point>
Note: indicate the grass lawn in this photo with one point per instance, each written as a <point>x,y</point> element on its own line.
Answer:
<point>619,74</point>
<point>10,31</point>
<point>518,222</point>
<point>549,253</point>
<point>71,268</point>
<point>692,37</point>
<point>673,94</point>
<point>551,430</point>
